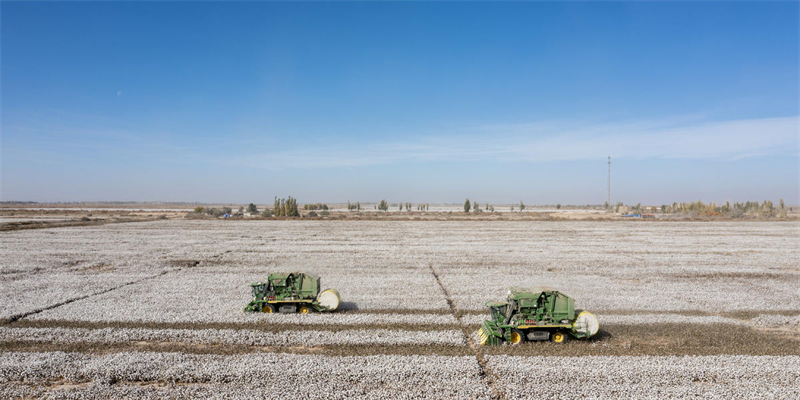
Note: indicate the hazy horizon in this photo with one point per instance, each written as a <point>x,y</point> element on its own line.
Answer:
<point>419,102</point>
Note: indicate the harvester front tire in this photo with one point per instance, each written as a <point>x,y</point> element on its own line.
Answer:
<point>304,310</point>
<point>268,309</point>
<point>558,337</point>
<point>516,337</point>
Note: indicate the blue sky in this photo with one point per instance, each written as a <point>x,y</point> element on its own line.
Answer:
<point>421,102</point>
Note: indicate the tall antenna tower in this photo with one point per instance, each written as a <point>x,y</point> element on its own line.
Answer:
<point>609,181</point>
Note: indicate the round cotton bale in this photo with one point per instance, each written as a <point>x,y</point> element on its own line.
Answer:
<point>586,324</point>
<point>329,298</point>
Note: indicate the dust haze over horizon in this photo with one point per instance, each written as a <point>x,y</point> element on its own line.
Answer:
<point>418,102</point>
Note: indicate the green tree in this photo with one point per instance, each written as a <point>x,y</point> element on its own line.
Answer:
<point>251,208</point>
<point>558,206</point>
<point>521,206</point>
<point>383,205</point>
<point>467,205</point>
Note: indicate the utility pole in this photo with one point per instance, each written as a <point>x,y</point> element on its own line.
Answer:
<point>609,183</point>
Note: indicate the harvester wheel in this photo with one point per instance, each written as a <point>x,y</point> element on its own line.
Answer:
<point>516,337</point>
<point>268,308</point>
<point>304,310</point>
<point>558,337</point>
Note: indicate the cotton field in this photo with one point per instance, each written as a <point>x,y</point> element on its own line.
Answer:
<point>154,309</point>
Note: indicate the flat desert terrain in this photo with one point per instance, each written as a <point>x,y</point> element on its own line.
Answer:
<point>154,309</point>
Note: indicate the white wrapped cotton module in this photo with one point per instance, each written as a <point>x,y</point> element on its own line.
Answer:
<point>329,298</point>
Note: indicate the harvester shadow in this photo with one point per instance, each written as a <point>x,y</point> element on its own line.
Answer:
<point>601,335</point>
<point>348,306</point>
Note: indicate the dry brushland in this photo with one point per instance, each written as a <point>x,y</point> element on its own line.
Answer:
<point>153,309</point>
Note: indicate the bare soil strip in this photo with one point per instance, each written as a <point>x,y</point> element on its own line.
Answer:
<point>667,339</point>
<point>257,326</point>
<point>485,374</point>
<point>22,225</point>
<point>172,347</point>
<point>612,340</point>
<point>739,314</point>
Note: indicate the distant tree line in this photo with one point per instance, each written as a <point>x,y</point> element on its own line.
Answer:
<point>764,209</point>
<point>353,206</point>
<point>285,207</point>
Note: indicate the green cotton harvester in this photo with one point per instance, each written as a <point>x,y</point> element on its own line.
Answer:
<point>291,293</point>
<point>534,315</point>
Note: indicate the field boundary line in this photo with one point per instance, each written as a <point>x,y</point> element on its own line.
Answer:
<point>485,373</point>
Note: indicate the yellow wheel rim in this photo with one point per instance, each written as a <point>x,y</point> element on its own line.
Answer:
<point>558,337</point>
<point>303,310</point>
<point>266,309</point>
<point>515,337</point>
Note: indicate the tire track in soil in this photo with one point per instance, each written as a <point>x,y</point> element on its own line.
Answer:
<point>485,373</point>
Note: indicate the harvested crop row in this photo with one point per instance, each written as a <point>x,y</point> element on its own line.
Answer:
<point>89,311</point>
<point>288,323</point>
<point>253,375</point>
<point>663,339</point>
<point>234,337</point>
<point>765,321</point>
<point>721,377</point>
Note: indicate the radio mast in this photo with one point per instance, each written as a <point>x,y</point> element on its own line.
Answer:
<point>609,183</point>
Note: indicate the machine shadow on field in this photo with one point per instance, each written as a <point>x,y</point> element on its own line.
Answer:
<point>348,306</point>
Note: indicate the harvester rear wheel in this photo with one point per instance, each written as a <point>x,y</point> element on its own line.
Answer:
<point>268,309</point>
<point>304,310</point>
<point>558,337</point>
<point>516,337</point>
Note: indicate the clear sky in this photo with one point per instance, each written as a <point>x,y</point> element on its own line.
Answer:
<point>420,102</point>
